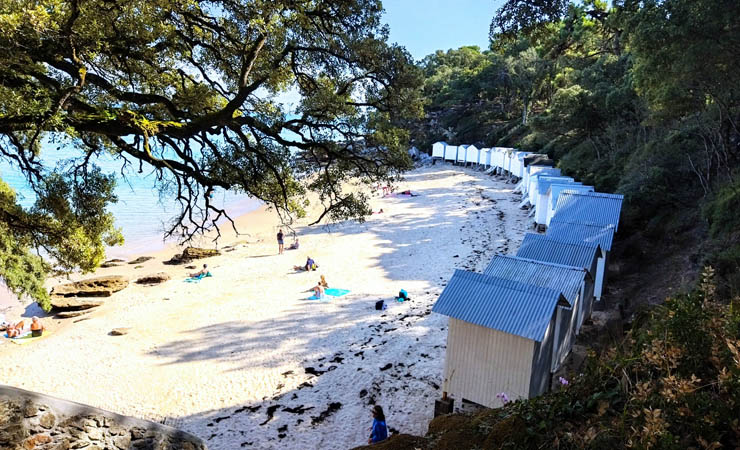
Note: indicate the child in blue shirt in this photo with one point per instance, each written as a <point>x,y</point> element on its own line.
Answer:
<point>380,430</point>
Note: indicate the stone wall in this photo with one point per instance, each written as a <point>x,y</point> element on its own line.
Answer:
<point>34,421</point>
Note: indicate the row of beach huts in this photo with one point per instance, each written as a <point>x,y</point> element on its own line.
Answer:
<point>513,326</point>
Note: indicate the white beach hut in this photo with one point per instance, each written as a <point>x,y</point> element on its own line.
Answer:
<point>438,149</point>
<point>484,157</point>
<point>541,202</point>
<point>501,337</point>
<point>497,159</point>
<point>517,164</point>
<point>555,189</point>
<point>548,249</point>
<point>462,152</point>
<point>450,153</point>
<point>472,155</point>
<point>535,172</point>
<point>573,282</point>
<point>533,160</point>
<point>593,235</point>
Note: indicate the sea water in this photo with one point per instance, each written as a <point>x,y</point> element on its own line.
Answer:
<point>141,212</point>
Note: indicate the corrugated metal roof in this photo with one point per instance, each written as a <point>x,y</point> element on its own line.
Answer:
<point>544,182</point>
<point>601,235</point>
<point>504,305</point>
<point>561,278</point>
<point>544,248</point>
<point>557,188</point>
<point>593,208</point>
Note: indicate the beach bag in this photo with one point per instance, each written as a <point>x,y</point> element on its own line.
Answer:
<point>403,295</point>
<point>380,305</point>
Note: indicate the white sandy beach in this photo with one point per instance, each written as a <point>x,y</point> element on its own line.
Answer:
<point>226,358</point>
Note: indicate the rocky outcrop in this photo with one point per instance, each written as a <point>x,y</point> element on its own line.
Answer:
<point>192,253</point>
<point>74,303</point>
<point>29,420</point>
<point>141,259</point>
<point>92,287</point>
<point>153,279</point>
<point>112,263</point>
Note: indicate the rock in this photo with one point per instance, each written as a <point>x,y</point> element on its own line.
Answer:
<point>191,267</point>
<point>74,303</point>
<point>198,253</point>
<point>120,331</point>
<point>70,314</point>
<point>156,278</point>
<point>47,420</point>
<point>122,442</point>
<point>107,264</point>
<point>141,259</point>
<point>92,287</point>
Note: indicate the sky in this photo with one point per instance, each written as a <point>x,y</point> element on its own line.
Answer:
<point>424,26</point>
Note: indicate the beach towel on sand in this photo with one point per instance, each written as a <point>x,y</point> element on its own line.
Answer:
<point>330,293</point>
<point>198,278</point>
<point>336,292</point>
<point>25,338</point>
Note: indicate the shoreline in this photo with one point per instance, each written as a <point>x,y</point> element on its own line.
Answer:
<point>245,359</point>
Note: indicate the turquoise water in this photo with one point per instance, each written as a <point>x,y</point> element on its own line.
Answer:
<point>140,212</point>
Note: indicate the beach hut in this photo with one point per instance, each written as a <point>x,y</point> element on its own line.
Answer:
<point>533,159</point>
<point>548,249</point>
<point>535,173</point>
<point>573,282</point>
<point>508,155</point>
<point>472,155</point>
<point>500,337</point>
<point>462,152</point>
<point>594,235</point>
<point>438,149</point>
<point>517,164</point>
<point>497,159</point>
<point>450,153</point>
<point>555,189</point>
<point>541,201</point>
<point>591,208</point>
<point>484,157</point>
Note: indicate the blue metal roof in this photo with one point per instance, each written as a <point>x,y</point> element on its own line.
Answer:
<point>558,277</point>
<point>544,182</point>
<point>547,171</point>
<point>593,208</point>
<point>544,248</point>
<point>557,188</point>
<point>601,235</point>
<point>504,305</point>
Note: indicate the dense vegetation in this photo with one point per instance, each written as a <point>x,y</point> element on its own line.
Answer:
<point>672,383</point>
<point>639,98</point>
<point>190,91</point>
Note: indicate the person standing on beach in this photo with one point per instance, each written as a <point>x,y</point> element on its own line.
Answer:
<point>379,430</point>
<point>280,241</point>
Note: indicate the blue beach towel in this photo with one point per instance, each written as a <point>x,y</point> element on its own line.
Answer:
<point>198,278</point>
<point>336,292</point>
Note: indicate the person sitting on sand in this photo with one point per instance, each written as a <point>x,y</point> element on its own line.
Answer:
<point>37,328</point>
<point>311,264</point>
<point>378,212</point>
<point>318,291</point>
<point>323,283</point>
<point>294,245</point>
<point>202,273</point>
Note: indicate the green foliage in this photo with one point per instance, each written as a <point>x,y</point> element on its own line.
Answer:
<point>673,383</point>
<point>191,91</point>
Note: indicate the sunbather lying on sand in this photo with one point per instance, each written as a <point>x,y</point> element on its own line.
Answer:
<point>408,193</point>
<point>16,330</point>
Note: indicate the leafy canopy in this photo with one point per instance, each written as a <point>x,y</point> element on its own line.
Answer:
<point>191,89</point>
